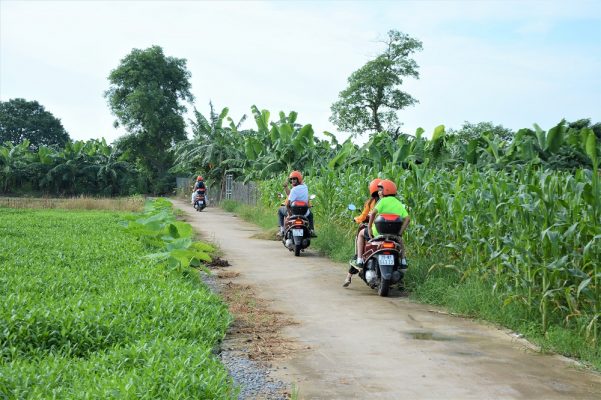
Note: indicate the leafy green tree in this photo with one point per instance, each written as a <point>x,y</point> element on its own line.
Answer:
<point>22,120</point>
<point>145,94</point>
<point>373,95</point>
<point>470,131</point>
<point>578,125</point>
<point>468,141</point>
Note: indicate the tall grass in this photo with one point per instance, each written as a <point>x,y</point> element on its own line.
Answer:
<point>531,234</point>
<point>132,203</point>
<point>527,241</point>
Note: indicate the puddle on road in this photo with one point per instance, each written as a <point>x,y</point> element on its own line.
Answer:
<point>467,353</point>
<point>424,335</point>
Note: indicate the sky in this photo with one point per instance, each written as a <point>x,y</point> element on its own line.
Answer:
<point>513,63</point>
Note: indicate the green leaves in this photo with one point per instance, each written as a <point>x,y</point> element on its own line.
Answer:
<point>172,239</point>
<point>555,138</point>
<point>146,94</point>
<point>373,95</point>
<point>590,146</point>
<point>22,120</point>
<point>533,234</point>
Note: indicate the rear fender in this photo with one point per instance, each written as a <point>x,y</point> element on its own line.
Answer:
<point>386,271</point>
<point>299,239</point>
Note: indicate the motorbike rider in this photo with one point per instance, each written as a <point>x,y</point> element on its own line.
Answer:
<point>364,219</point>
<point>388,204</point>
<point>199,185</point>
<point>369,203</point>
<point>299,192</point>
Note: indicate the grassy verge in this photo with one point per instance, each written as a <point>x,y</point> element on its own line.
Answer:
<point>132,203</point>
<point>471,297</point>
<point>84,315</point>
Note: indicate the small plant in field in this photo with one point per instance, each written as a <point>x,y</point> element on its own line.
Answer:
<point>158,228</point>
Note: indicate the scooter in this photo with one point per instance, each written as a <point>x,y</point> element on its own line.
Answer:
<point>297,235</point>
<point>200,200</point>
<point>384,261</point>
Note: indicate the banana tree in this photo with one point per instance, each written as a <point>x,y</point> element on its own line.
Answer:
<point>13,161</point>
<point>280,146</point>
<point>215,149</point>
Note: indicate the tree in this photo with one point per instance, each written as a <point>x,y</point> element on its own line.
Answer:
<point>22,120</point>
<point>373,95</point>
<point>214,150</point>
<point>145,94</point>
<point>469,131</point>
<point>463,142</point>
<point>586,123</point>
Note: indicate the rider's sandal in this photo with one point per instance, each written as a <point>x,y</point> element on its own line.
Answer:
<point>347,282</point>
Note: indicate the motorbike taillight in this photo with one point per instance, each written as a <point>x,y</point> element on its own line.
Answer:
<point>298,222</point>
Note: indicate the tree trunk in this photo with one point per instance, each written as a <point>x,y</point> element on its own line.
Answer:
<point>377,123</point>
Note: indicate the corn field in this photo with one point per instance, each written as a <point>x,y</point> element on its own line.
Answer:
<point>534,234</point>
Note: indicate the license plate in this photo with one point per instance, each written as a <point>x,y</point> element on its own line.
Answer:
<point>201,202</point>
<point>384,259</point>
<point>297,232</point>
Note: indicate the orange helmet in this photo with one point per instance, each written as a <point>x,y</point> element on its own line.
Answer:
<point>373,186</point>
<point>297,175</point>
<point>388,186</point>
<point>199,178</point>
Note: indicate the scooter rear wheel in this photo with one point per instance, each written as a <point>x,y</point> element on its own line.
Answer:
<point>297,249</point>
<point>384,287</point>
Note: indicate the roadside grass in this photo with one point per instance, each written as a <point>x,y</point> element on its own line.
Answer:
<point>85,315</point>
<point>268,220</point>
<point>475,298</point>
<point>472,297</point>
<point>132,203</point>
<point>265,218</point>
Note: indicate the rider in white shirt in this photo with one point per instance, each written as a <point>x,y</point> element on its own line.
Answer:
<point>299,192</point>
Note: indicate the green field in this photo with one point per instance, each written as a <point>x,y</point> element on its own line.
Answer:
<point>84,315</point>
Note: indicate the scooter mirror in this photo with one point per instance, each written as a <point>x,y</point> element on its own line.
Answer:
<point>281,196</point>
<point>311,197</point>
<point>352,207</point>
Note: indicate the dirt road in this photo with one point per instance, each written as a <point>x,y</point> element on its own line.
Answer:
<point>358,345</point>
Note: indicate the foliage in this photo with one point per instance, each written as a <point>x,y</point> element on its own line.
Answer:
<point>90,301</point>
<point>90,167</point>
<point>532,234</point>
<point>275,148</point>
<point>145,94</point>
<point>171,239</point>
<point>214,149</point>
<point>22,120</point>
<point>373,95</point>
<point>471,134</point>
<point>469,131</point>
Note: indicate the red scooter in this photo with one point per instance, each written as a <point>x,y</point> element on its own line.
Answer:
<point>383,258</point>
<point>200,201</point>
<point>297,235</point>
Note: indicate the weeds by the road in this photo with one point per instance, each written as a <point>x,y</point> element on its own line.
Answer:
<point>471,297</point>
